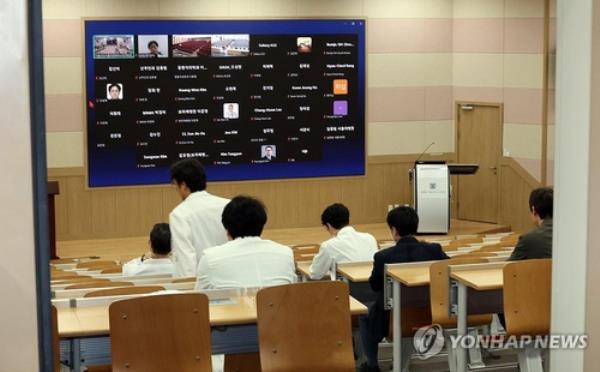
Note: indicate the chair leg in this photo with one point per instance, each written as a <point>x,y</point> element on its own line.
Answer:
<point>530,360</point>
<point>408,349</point>
<point>451,354</point>
<point>475,358</point>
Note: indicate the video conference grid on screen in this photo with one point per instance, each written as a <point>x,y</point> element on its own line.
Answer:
<point>247,105</point>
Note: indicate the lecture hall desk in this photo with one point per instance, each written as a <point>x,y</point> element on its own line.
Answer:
<point>474,289</point>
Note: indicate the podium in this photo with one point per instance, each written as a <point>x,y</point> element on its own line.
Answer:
<point>431,193</point>
<point>52,192</point>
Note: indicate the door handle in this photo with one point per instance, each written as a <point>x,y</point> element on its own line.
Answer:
<point>493,169</point>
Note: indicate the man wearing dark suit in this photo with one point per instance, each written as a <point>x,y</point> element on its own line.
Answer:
<point>538,242</point>
<point>403,223</point>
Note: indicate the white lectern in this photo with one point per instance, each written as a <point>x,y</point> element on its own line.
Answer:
<point>431,193</point>
<point>431,197</point>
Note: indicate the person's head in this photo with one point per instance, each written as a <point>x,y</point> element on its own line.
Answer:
<point>160,239</point>
<point>540,204</point>
<point>244,216</point>
<point>335,217</point>
<point>403,221</point>
<point>269,151</point>
<point>153,47</point>
<point>114,90</point>
<point>188,176</point>
<point>230,107</point>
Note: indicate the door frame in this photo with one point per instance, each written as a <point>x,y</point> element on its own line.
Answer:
<point>500,134</point>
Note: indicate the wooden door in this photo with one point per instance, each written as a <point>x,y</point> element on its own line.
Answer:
<point>479,138</point>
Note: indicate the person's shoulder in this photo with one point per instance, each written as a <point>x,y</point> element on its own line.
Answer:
<point>217,199</point>
<point>277,247</point>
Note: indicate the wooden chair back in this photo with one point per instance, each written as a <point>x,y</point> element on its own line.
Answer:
<point>527,291</point>
<point>245,362</point>
<point>120,291</point>
<point>439,296</point>
<point>161,333</point>
<point>474,254</point>
<point>55,340</point>
<point>491,248</point>
<point>305,327</point>
<point>80,279</point>
<point>57,275</point>
<point>467,241</point>
<point>98,284</point>
<point>112,270</point>
<point>95,263</point>
<point>191,279</point>
<point>62,261</point>
<point>305,252</point>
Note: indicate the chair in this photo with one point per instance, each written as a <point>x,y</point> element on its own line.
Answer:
<point>191,279</point>
<point>305,327</point>
<point>79,279</point>
<point>98,284</point>
<point>125,291</point>
<point>112,270</point>
<point>439,299</point>
<point>301,250</point>
<point>62,261</point>
<point>527,297</point>
<point>89,264</point>
<point>473,254</point>
<point>246,362</point>
<point>161,333</point>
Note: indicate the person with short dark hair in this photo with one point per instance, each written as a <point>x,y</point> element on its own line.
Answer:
<point>246,260</point>
<point>158,260</point>
<point>196,221</point>
<point>346,244</point>
<point>403,223</point>
<point>537,243</point>
<point>153,49</point>
<point>268,155</point>
<point>114,91</point>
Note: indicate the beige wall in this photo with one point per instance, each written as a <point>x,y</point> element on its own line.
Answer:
<point>18,313</point>
<point>499,57</point>
<point>422,55</point>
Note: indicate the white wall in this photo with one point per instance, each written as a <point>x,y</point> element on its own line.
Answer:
<point>18,322</point>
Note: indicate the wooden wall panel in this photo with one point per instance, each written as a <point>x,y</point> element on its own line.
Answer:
<point>125,212</point>
<point>516,185</point>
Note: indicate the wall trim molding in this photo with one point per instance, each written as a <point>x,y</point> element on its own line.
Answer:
<point>522,172</point>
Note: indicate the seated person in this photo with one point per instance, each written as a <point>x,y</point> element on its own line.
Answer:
<point>157,261</point>
<point>345,245</point>
<point>537,243</point>
<point>403,222</point>
<point>245,260</point>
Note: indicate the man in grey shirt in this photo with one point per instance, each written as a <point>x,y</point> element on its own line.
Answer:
<point>537,243</point>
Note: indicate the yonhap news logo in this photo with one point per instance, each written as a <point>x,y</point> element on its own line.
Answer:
<point>429,341</point>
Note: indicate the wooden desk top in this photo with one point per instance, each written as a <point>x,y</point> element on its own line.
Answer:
<point>480,279</point>
<point>410,276</point>
<point>94,321</point>
<point>303,268</point>
<point>360,272</point>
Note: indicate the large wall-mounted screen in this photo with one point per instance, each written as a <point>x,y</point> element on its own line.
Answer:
<point>251,99</point>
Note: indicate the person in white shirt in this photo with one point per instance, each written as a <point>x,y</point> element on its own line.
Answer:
<point>246,260</point>
<point>157,261</point>
<point>196,221</point>
<point>345,245</point>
